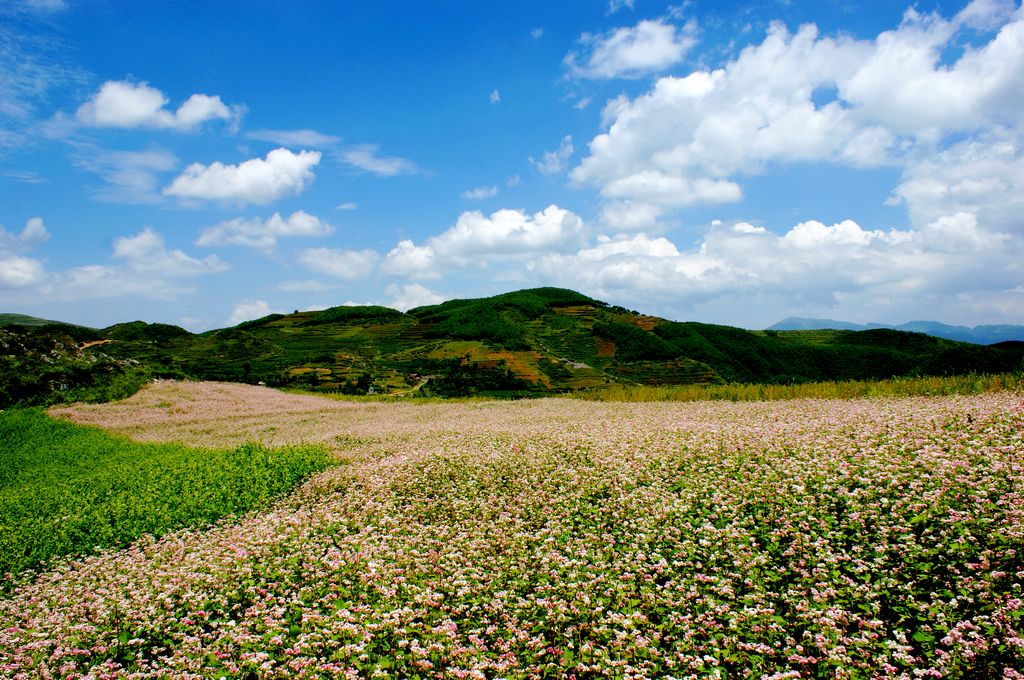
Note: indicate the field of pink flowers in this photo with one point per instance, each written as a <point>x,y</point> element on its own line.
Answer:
<point>569,539</point>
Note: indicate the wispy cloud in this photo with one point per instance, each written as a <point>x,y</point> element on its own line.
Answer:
<point>480,193</point>
<point>31,69</point>
<point>131,177</point>
<point>365,157</point>
<point>632,52</point>
<point>298,138</point>
<point>554,162</point>
<point>263,235</point>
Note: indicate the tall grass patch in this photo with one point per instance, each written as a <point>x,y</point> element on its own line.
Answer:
<point>925,386</point>
<point>67,489</point>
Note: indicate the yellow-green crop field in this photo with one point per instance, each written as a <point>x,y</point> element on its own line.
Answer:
<point>561,538</point>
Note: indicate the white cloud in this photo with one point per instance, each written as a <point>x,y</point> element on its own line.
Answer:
<point>256,180</point>
<point>982,175</point>
<point>247,310</point>
<point>554,162</point>
<point>348,265</point>
<point>146,253</point>
<point>347,205</point>
<point>480,193</point>
<point>303,138</point>
<point>31,235</point>
<point>412,261</point>
<point>632,52</point>
<point>25,176</point>
<point>620,216</point>
<point>537,33</point>
<point>196,325</point>
<point>263,235</point>
<point>812,269</point>
<point>32,70</point>
<point>45,6</point>
<point>904,84</point>
<point>495,97</point>
<point>20,272</point>
<point>509,232</point>
<point>143,266</point>
<point>615,5</point>
<point>17,271</point>
<point>481,240</point>
<point>123,104</point>
<point>986,15</point>
<point>131,176</point>
<point>802,97</point>
<point>410,295</point>
<point>364,157</point>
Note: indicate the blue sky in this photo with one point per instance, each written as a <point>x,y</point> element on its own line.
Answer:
<point>205,163</point>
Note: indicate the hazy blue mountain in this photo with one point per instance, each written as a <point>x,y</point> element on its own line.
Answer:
<point>979,335</point>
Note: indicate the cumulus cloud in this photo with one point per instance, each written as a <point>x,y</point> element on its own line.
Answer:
<point>804,97</point>
<point>263,234</point>
<point>480,193</point>
<point>365,157</point>
<point>983,175</point>
<point>632,52</point>
<point>257,180</point>
<point>124,104</point>
<point>904,84</point>
<point>410,260</point>
<point>20,272</point>
<point>410,295</point>
<point>812,269</point>
<point>146,253</point>
<point>304,138</point>
<point>347,265</point>
<point>476,239</point>
<point>141,266</point>
<point>554,162</point>
<point>621,216</point>
<point>247,310</point>
<point>33,233</point>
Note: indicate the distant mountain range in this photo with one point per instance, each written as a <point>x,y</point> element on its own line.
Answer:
<point>978,335</point>
<point>538,341</point>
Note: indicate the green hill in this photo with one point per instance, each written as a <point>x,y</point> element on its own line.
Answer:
<point>536,341</point>
<point>24,320</point>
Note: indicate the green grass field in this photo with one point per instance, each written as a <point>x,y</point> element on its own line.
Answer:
<point>68,489</point>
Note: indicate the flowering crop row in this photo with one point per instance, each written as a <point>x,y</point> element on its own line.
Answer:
<point>567,539</point>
